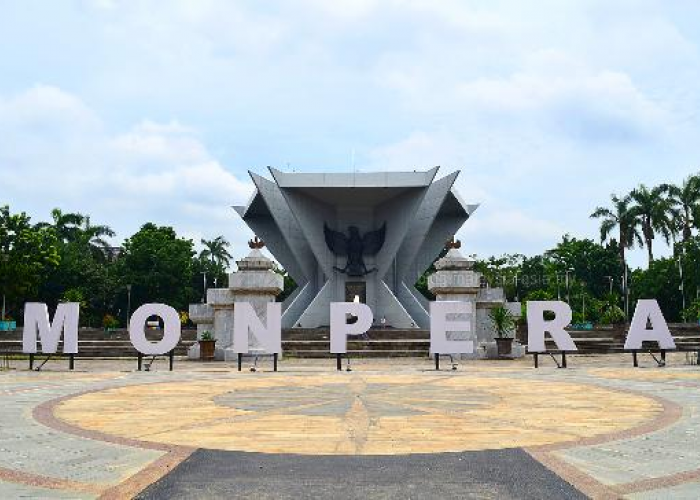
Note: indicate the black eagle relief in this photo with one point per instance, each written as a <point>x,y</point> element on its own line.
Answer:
<point>354,247</point>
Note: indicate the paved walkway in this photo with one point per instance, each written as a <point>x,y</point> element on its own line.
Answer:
<point>600,428</point>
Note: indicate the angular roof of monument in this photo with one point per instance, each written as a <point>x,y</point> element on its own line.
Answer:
<point>353,179</point>
<point>333,182</point>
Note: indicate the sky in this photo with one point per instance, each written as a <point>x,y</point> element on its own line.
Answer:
<point>137,111</point>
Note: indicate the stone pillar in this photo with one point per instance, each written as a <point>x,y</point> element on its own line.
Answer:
<point>455,280</point>
<point>221,301</point>
<point>254,282</point>
<point>201,315</point>
<point>215,316</point>
<point>487,299</point>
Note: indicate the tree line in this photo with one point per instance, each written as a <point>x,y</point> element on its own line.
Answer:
<point>70,260</point>
<point>595,278</point>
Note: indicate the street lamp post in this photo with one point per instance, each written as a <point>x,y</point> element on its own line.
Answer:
<point>610,282</point>
<point>128,303</point>
<point>623,286</point>
<point>568,294</point>
<point>4,258</point>
<point>558,289</point>
<point>204,296</point>
<point>681,287</point>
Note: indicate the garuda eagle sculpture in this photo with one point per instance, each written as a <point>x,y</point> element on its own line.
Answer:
<point>354,247</point>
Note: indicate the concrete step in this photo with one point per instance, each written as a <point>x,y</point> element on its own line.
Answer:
<point>374,334</point>
<point>311,343</point>
<point>94,348</point>
<point>87,334</point>
<point>380,345</point>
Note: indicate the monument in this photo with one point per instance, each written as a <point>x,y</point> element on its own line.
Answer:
<point>347,237</point>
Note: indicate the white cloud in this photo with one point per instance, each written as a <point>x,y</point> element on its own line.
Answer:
<point>168,144</point>
<point>545,108</point>
<point>493,230</point>
<point>158,172</point>
<point>44,107</point>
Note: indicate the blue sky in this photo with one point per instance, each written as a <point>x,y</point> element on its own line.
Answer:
<point>141,111</point>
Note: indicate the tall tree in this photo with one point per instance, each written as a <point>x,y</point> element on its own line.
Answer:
<point>217,251</point>
<point>93,237</point>
<point>27,254</point>
<point>65,225</point>
<point>83,269</point>
<point>660,281</point>
<point>655,212</point>
<point>159,265</point>
<point>686,199</point>
<point>591,263</point>
<point>620,216</point>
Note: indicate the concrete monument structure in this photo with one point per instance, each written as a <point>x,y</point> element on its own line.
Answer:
<point>355,236</point>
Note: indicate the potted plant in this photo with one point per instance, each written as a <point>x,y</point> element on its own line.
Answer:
<point>503,324</point>
<point>207,343</point>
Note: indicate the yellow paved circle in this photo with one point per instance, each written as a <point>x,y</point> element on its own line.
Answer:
<point>358,413</point>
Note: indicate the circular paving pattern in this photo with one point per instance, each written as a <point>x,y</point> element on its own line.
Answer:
<point>358,413</point>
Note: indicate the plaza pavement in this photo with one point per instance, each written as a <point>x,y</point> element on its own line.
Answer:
<point>390,428</point>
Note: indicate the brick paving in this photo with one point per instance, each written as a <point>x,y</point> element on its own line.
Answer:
<point>610,430</point>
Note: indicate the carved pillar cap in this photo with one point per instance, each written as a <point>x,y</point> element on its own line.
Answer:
<point>454,274</point>
<point>255,261</point>
<point>454,260</point>
<point>255,276</point>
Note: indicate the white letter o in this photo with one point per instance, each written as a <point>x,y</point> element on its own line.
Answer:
<point>171,329</point>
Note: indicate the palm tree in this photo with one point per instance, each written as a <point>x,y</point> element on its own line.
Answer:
<point>624,219</point>
<point>686,199</point>
<point>93,237</point>
<point>216,251</point>
<point>655,212</point>
<point>66,225</point>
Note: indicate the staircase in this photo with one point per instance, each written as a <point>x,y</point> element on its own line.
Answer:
<point>378,343</point>
<point>296,342</point>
